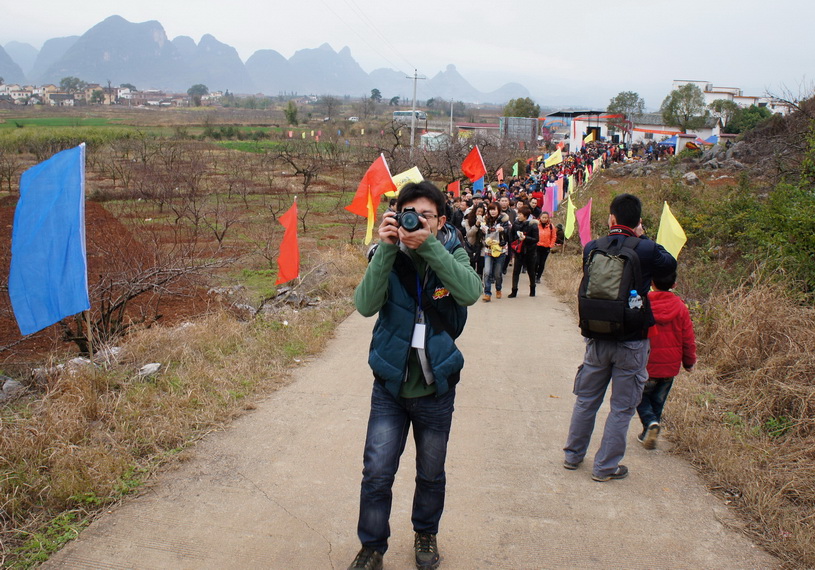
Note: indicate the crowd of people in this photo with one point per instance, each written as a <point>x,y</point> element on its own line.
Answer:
<point>420,281</point>
<point>508,226</point>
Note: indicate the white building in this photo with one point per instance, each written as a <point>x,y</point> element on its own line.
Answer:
<point>735,94</point>
<point>649,127</point>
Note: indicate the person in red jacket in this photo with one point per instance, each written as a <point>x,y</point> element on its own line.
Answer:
<point>673,346</point>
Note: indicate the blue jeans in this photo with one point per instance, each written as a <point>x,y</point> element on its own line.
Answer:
<point>493,272</point>
<point>388,427</point>
<point>653,400</point>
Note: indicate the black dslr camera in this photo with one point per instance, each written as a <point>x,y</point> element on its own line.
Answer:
<point>409,219</point>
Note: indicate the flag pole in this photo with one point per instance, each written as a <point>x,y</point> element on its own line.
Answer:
<point>89,333</point>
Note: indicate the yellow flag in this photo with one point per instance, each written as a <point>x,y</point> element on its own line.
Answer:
<point>590,137</point>
<point>362,131</point>
<point>403,178</point>
<point>571,184</point>
<point>369,232</point>
<point>554,158</point>
<point>671,236</point>
<point>570,218</point>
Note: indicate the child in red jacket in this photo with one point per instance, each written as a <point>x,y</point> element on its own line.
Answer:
<point>673,346</point>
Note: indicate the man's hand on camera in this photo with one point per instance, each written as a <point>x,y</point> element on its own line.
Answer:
<point>413,240</point>
<point>389,229</point>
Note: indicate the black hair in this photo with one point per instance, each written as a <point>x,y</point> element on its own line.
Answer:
<point>627,209</point>
<point>665,282</point>
<point>424,189</point>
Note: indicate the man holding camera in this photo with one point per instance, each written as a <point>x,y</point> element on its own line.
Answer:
<point>419,280</point>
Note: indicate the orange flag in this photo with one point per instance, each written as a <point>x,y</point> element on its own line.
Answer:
<point>455,188</point>
<point>288,261</point>
<point>377,181</point>
<point>473,166</point>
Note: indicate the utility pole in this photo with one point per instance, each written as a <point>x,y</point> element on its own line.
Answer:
<point>415,78</point>
<point>451,118</point>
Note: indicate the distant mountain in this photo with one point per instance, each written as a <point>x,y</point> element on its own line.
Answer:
<point>217,66</point>
<point>270,71</point>
<point>186,46</point>
<point>23,55</point>
<point>51,52</point>
<point>10,71</point>
<point>322,70</point>
<point>449,84</point>
<point>392,84</point>
<point>119,51</point>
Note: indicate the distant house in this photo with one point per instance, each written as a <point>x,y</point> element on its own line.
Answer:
<point>61,99</point>
<point>649,127</point>
<point>469,129</point>
<point>712,93</point>
<point>434,141</point>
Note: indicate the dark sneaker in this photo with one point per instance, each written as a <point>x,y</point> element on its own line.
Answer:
<point>367,559</point>
<point>651,435</point>
<point>641,437</point>
<point>620,473</point>
<point>427,553</point>
<point>570,466</point>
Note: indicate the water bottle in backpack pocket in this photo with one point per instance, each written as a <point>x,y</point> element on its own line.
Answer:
<point>609,304</point>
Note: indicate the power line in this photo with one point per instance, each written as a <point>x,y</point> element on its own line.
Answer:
<point>373,48</point>
<point>363,16</point>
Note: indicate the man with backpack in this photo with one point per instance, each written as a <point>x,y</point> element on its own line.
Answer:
<point>614,317</point>
<point>419,281</point>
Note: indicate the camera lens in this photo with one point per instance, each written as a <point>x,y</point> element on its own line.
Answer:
<point>410,221</point>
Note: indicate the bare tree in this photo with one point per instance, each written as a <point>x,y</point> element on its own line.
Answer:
<point>10,167</point>
<point>329,104</point>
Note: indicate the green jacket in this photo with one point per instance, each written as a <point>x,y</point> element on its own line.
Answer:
<point>450,284</point>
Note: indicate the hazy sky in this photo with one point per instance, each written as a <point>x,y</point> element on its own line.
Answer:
<point>580,53</point>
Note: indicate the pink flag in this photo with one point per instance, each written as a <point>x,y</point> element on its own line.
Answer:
<point>549,199</point>
<point>583,217</point>
<point>559,195</point>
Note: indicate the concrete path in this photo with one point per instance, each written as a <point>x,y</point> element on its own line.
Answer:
<point>280,487</point>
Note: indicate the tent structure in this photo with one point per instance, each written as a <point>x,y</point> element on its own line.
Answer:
<point>669,142</point>
<point>712,139</point>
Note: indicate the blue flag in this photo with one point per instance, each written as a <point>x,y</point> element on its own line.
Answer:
<point>48,278</point>
<point>478,185</point>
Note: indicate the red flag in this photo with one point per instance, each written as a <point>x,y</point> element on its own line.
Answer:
<point>560,145</point>
<point>455,188</point>
<point>473,166</point>
<point>500,174</point>
<point>288,261</point>
<point>376,182</point>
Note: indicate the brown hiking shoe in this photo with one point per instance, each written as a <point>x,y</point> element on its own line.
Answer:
<point>497,294</point>
<point>427,552</point>
<point>367,559</point>
<point>486,298</point>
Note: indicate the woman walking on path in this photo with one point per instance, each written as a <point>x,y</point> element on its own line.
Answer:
<point>547,237</point>
<point>525,237</point>
<point>496,231</point>
<point>473,226</point>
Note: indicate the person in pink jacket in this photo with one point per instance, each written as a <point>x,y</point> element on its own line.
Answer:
<point>673,346</point>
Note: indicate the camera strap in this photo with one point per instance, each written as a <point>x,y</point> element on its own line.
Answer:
<point>406,271</point>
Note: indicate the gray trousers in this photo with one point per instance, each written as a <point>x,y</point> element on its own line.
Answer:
<point>622,364</point>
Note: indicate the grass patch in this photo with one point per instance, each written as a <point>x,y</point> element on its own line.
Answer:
<point>96,434</point>
<point>744,417</point>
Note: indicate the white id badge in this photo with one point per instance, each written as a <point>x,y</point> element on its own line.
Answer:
<point>418,336</point>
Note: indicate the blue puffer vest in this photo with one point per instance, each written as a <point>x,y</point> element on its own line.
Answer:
<point>390,343</point>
